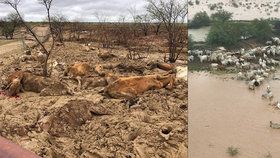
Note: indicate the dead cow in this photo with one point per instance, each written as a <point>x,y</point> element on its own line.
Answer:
<point>79,71</point>
<point>25,81</point>
<point>130,87</point>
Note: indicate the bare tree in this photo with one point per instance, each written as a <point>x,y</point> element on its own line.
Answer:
<point>47,52</point>
<point>76,28</point>
<point>156,23</point>
<point>173,14</point>
<point>103,30</point>
<point>144,21</point>
<point>59,22</point>
<point>9,25</point>
<point>133,26</point>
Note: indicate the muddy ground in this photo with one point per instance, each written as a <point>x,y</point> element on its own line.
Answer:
<point>89,123</point>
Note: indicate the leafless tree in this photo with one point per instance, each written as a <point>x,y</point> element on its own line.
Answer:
<point>103,30</point>
<point>47,4</point>
<point>133,26</point>
<point>173,15</point>
<point>156,23</point>
<point>76,28</point>
<point>59,22</point>
<point>122,32</point>
<point>9,25</point>
<point>144,21</point>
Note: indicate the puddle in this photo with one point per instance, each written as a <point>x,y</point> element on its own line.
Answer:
<point>224,113</point>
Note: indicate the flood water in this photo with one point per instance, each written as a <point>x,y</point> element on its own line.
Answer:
<point>224,113</point>
<point>199,35</point>
<point>249,10</point>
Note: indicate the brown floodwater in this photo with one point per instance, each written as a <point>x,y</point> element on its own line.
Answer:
<point>264,9</point>
<point>223,112</point>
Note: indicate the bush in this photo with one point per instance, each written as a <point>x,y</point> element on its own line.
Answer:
<point>190,3</point>
<point>221,15</point>
<point>190,42</point>
<point>223,34</point>
<point>262,30</point>
<point>7,30</point>
<point>200,19</point>
<point>277,26</point>
<point>246,30</point>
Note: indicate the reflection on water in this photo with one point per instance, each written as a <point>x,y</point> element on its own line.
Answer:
<point>224,113</point>
<point>199,35</point>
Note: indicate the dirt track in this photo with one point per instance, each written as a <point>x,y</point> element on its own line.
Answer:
<point>90,124</point>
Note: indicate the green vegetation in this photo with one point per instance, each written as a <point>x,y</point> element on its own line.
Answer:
<point>228,33</point>
<point>200,19</point>
<point>190,42</point>
<point>221,15</point>
<point>277,27</point>
<point>262,30</point>
<point>223,33</point>
<point>232,151</point>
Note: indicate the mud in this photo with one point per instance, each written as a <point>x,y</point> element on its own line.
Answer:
<point>90,124</point>
<point>225,113</point>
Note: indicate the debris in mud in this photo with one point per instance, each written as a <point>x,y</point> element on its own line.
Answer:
<point>166,133</point>
<point>106,55</point>
<point>274,125</point>
<point>268,94</point>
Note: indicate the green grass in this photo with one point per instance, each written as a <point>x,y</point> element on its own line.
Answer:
<point>232,151</point>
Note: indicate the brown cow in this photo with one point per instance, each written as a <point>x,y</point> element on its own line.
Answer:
<point>25,81</point>
<point>129,87</point>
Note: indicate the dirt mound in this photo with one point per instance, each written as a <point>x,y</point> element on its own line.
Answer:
<point>64,121</point>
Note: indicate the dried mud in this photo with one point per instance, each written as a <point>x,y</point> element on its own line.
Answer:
<point>89,124</point>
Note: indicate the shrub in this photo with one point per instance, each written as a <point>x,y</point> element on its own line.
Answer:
<point>212,6</point>
<point>277,26</point>
<point>262,30</point>
<point>190,42</point>
<point>200,19</point>
<point>243,30</point>
<point>232,151</point>
<point>7,30</point>
<point>190,3</point>
<point>223,34</point>
<point>221,15</point>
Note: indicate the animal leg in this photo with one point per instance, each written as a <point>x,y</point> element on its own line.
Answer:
<point>78,78</point>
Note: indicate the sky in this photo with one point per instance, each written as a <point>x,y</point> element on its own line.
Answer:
<point>82,10</point>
